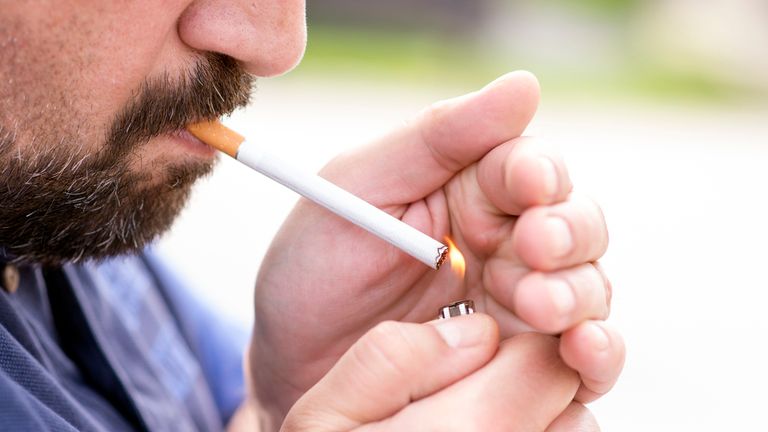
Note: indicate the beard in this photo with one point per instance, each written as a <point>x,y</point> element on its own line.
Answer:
<point>60,205</point>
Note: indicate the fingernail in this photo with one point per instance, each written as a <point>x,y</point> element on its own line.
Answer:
<point>598,338</point>
<point>549,176</point>
<point>460,332</point>
<point>562,297</point>
<point>560,234</point>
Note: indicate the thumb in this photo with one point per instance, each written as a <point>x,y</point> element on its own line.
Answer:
<point>389,367</point>
<point>414,161</point>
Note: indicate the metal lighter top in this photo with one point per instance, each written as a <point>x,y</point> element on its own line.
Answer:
<point>464,307</point>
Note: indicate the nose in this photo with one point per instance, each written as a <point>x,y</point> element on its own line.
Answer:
<point>268,37</point>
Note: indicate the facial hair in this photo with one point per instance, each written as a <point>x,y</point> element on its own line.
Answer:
<point>58,204</point>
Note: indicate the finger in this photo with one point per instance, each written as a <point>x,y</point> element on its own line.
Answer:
<point>597,352</point>
<point>575,418</point>
<point>606,282</point>
<point>521,174</point>
<point>524,388</point>
<point>553,302</point>
<point>562,235</point>
<point>385,370</point>
<point>448,136</point>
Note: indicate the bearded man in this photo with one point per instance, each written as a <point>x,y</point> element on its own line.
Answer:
<point>96,333</point>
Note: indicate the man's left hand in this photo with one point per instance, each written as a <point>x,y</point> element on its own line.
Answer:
<point>459,169</point>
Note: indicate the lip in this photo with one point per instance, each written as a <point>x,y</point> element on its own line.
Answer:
<point>191,144</point>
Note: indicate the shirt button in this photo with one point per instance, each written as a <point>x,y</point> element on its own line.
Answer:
<point>10,278</point>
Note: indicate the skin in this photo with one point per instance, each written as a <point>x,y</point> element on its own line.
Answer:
<point>68,67</point>
<point>100,52</point>
<point>460,168</point>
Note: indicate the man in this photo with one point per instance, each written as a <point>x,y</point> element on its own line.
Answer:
<point>96,335</point>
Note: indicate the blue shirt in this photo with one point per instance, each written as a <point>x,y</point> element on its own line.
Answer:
<point>116,345</point>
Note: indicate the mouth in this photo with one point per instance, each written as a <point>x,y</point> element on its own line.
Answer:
<point>189,144</point>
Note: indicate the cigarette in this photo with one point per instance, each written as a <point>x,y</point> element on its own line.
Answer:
<point>315,188</point>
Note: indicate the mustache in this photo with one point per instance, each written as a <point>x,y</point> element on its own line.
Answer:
<point>215,86</point>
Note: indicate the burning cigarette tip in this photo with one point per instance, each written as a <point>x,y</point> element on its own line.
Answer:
<point>442,255</point>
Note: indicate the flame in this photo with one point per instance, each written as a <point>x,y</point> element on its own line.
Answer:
<point>458,264</point>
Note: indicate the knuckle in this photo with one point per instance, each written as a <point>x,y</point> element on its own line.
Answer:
<point>591,230</point>
<point>589,209</point>
<point>300,420</point>
<point>310,413</point>
<point>590,288</point>
<point>536,342</point>
<point>431,122</point>
<point>387,349</point>
<point>606,284</point>
<point>539,352</point>
<point>596,214</point>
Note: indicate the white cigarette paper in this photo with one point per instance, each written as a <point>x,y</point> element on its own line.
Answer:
<point>313,187</point>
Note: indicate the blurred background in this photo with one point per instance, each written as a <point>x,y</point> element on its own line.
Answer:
<point>661,109</point>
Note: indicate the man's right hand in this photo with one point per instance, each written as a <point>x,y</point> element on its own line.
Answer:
<point>447,375</point>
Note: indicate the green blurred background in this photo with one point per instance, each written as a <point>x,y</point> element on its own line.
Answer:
<point>650,50</point>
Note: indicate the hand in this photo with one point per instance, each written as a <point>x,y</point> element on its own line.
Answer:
<point>449,375</point>
<point>460,169</point>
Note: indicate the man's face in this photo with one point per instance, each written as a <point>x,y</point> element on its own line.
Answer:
<point>94,97</point>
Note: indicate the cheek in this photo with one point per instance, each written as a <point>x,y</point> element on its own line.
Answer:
<point>73,69</point>
<point>41,87</point>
